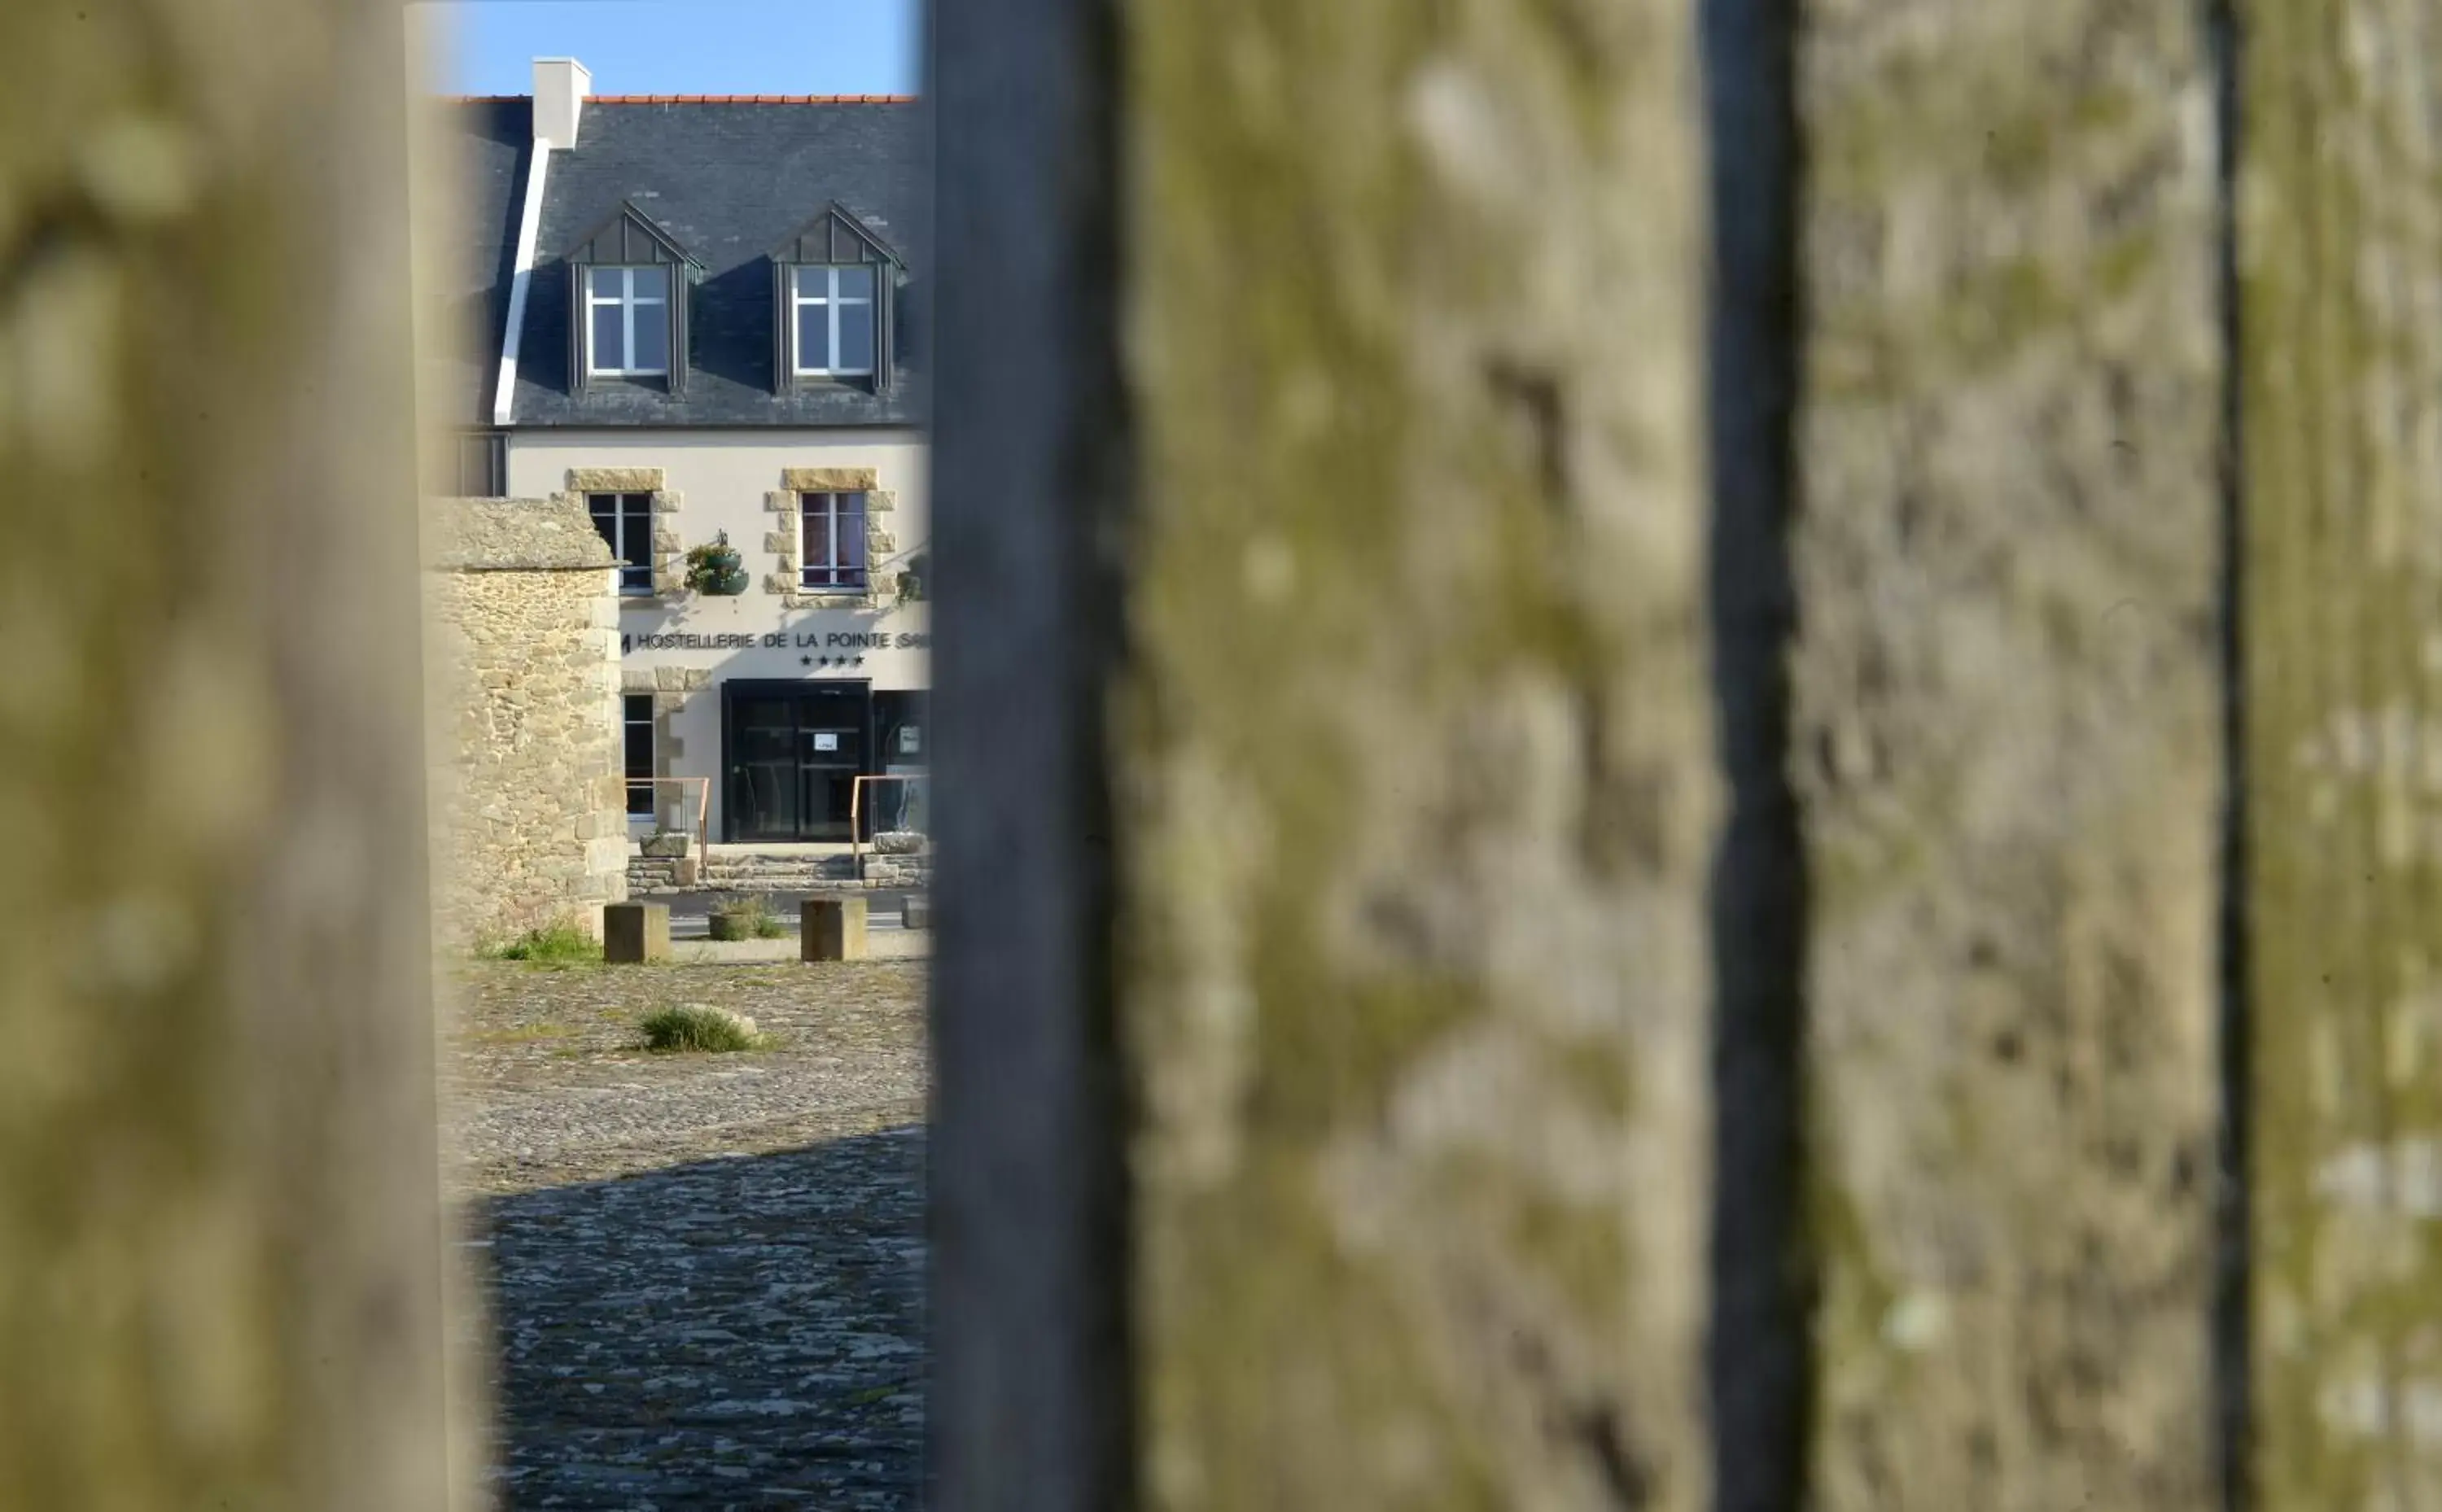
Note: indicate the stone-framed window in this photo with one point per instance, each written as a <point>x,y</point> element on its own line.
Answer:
<point>831,543</point>
<point>663,691</point>
<point>663,574</point>
<point>794,580</point>
<point>624,522</point>
<point>637,746</point>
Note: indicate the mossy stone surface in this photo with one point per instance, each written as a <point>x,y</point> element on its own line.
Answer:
<point>2008,754</point>
<point>1412,756</point>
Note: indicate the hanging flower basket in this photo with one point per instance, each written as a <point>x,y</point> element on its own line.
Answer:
<point>715,569</point>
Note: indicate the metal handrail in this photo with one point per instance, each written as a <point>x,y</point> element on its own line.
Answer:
<point>856,810</point>
<point>703,804</point>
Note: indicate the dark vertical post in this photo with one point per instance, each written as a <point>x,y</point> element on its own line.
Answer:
<point>1028,1406</point>
<point>1758,1352</point>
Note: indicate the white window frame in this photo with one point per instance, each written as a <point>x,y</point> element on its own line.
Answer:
<point>830,300</point>
<point>831,523</point>
<point>621,522</point>
<point>628,299</point>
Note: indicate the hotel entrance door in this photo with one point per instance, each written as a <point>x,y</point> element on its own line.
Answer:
<point>794,751</point>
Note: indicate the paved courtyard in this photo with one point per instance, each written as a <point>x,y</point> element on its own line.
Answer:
<point>705,1272</point>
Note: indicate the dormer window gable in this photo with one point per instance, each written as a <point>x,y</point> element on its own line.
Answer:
<point>629,286</point>
<point>834,290</point>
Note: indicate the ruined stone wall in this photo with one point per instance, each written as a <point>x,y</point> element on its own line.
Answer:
<point>528,810</point>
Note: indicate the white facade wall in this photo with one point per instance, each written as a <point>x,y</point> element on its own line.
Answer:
<point>721,479</point>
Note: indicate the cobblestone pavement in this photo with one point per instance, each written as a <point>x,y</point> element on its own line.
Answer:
<point>704,1273</point>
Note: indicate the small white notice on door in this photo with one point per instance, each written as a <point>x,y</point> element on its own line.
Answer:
<point>825,741</point>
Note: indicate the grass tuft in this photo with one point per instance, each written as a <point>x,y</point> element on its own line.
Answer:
<point>559,943</point>
<point>701,1027</point>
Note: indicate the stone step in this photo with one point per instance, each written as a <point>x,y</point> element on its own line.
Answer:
<point>768,880</point>
<point>723,869</point>
<point>712,883</point>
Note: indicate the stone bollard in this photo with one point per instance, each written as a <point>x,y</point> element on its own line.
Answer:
<point>916,912</point>
<point>831,929</point>
<point>635,933</point>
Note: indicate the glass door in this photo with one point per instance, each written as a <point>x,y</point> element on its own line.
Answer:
<point>795,753</point>
<point>830,754</point>
<point>763,790</point>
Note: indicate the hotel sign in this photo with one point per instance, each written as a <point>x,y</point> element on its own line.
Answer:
<point>776,641</point>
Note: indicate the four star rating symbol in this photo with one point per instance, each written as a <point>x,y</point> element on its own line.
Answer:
<point>830,660</point>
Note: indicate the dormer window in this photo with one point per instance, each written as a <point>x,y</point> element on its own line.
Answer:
<point>628,323</point>
<point>834,321</point>
<point>627,303</point>
<point>833,283</point>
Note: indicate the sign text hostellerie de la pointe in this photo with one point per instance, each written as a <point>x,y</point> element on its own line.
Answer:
<point>779,640</point>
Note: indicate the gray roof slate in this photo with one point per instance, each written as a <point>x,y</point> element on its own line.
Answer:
<point>470,255</point>
<point>728,181</point>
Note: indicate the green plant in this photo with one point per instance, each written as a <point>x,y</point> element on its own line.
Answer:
<point>701,1027</point>
<point>715,569</point>
<point>911,578</point>
<point>747,917</point>
<point>562,941</point>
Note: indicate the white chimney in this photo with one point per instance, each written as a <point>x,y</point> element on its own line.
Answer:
<point>560,87</point>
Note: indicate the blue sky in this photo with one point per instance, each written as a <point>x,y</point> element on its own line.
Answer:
<point>689,48</point>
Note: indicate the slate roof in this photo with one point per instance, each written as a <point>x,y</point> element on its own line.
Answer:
<point>469,255</point>
<point>728,178</point>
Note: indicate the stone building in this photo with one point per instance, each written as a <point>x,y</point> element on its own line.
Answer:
<point>527,814</point>
<point>693,320</point>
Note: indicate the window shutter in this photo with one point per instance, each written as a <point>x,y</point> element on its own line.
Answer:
<point>576,321</point>
<point>783,314</point>
<point>885,326</point>
<point>681,296</point>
